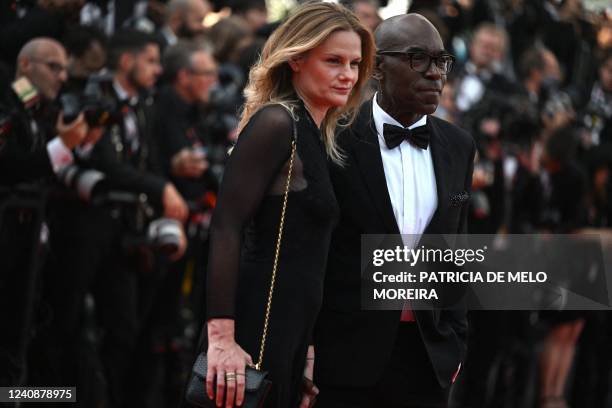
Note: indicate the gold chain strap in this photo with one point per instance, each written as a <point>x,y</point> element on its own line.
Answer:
<point>276,256</point>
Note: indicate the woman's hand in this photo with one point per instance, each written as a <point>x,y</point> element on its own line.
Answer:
<point>309,390</point>
<point>227,362</point>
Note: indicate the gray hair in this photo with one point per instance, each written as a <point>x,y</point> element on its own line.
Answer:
<point>180,56</point>
<point>177,7</point>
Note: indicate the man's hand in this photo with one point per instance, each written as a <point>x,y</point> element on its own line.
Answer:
<point>93,135</point>
<point>180,251</point>
<point>189,163</point>
<point>174,205</point>
<point>73,133</point>
<point>559,119</point>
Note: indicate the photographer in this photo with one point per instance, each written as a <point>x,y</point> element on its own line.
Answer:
<point>29,150</point>
<point>127,153</point>
<point>105,246</point>
<point>483,72</point>
<point>128,157</point>
<point>183,20</point>
<point>190,72</point>
<point>34,144</point>
<point>86,47</point>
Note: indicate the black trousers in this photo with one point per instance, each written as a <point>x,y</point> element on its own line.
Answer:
<point>19,287</point>
<point>408,381</point>
<point>86,257</point>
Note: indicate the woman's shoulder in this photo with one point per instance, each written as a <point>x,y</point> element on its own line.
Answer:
<point>275,117</point>
<point>271,126</point>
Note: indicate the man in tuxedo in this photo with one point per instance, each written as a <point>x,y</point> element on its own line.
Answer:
<point>394,181</point>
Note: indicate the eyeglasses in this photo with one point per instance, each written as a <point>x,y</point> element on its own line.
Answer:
<point>421,61</point>
<point>55,67</point>
<point>204,72</point>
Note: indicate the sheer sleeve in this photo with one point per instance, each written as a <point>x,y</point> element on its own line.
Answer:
<point>262,148</point>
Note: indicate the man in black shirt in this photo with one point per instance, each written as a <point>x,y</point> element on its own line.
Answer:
<point>192,72</point>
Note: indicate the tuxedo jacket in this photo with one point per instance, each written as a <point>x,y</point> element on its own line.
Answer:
<point>139,171</point>
<point>353,346</point>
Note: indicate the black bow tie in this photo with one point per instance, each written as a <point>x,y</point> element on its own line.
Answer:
<point>395,135</point>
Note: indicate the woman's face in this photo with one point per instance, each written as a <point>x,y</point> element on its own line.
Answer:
<point>325,75</point>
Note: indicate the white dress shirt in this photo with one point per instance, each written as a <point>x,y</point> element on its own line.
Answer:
<point>410,176</point>
<point>130,121</point>
<point>59,154</point>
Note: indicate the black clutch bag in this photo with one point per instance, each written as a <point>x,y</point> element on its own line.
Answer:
<point>256,386</point>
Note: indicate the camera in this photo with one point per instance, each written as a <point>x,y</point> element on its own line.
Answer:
<point>226,96</point>
<point>86,182</point>
<point>96,102</point>
<point>558,102</point>
<point>225,100</point>
<point>164,235</point>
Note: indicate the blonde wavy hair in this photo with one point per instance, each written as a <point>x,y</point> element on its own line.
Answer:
<point>306,28</point>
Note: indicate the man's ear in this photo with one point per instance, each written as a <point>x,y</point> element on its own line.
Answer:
<point>182,76</point>
<point>377,73</point>
<point>24,65</point>
<point>126,61</point>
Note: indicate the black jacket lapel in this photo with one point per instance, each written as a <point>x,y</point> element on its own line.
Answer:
<point>441,161</point>
<point>369,160</point>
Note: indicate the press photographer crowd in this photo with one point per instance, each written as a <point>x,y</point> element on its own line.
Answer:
<point>116,121</point>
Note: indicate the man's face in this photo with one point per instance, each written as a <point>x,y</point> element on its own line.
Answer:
<point>367,14</point>
<point>90,62</point>
<point>256,17</point>
<point>192,24</point>
<point>46,70</point>
<point>487,48</point>
<point>605,75</point>
<point>403,88</point>
<point>202,76</point>
<point>146,67</point>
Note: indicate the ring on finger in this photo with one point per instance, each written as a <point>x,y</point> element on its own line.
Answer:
<point>230,376</point>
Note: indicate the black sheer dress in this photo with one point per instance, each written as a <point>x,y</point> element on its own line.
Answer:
<point>244,232</point>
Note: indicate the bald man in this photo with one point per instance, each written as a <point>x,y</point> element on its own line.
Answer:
<point>35,151</point>
<point>184,19</point>
<point>394,181</point>
<point>31,150</point>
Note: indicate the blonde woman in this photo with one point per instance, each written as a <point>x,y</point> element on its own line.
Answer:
<point>309,75</point>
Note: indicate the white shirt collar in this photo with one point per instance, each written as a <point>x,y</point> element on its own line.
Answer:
<point>122,93</point>
<point>410,179</point>
<point>381,117</point>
